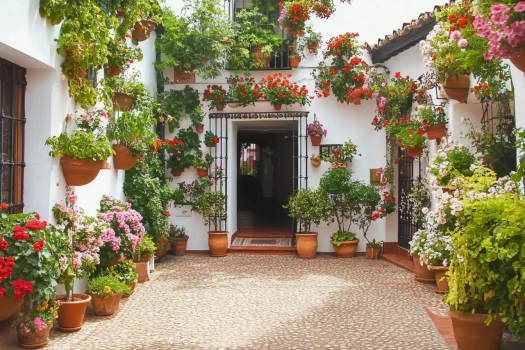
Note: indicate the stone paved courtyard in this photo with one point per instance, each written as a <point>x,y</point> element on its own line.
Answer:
<point>267,302</point>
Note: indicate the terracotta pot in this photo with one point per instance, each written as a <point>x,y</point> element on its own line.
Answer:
<point>141,268</point>
<point>457,88</point>
<point>113,71</point>
<point>423,274</point>
<point>179,246</point>
<point>233,104</point>
<point>518,60</point>
<point>441,279</point>
<point>399,143</point>
<point>184,77</point>
<point>79,172</point>
<point>9,306</point>
<point>220,108</point>
<point>162,248</point>
<point>316,163</point>
<point>143,29</point>
<point>316,140</point>
<point>71,313</point>
<point>472,333</point>
<point>218,243</point>
<point>326,85</point>
<point>115,260</point>
<point>82,73</point>
<point>133,285</point>
<point>211,144</point>
<point>145,257</point>
<point>34,340</point>
<point>202,172</point>
<point>105,307</point>
<point>372,253</point>
<point>277,107</point>
<point>262,60</point>
<point>416,151</point>
<point>177,172</point>
<point>123,159</point>
<point>123,102</point>
<point>120,13</point>
<point>199,128</point>
<point>436,132</point>
<point>347,249</point>
<point>294,61</point>
<point>307,245</point>
<point>447,189</point>
<point>313,47</point>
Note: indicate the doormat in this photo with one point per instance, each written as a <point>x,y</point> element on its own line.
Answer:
<point>270,242</point>
<point>264,241</point>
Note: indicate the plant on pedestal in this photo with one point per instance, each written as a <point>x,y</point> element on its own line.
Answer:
<point>278,90</point>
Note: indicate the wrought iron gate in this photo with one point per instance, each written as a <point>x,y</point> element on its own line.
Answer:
<point>406,223</point>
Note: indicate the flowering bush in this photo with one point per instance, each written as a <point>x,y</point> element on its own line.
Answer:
<point>294,15</point>
<point>344,154</point>
<point>216,95</point>
<point>323,8</point>
<point>278,90</point>
<point>412,135</point>
<point>38,318</point>
<point>210,139</point>
<point>451,161</point>
<point>432,116</point>
<point>244,91</point>
<point>418,199</point>
<point>316,129</point>
<point>121,55</point>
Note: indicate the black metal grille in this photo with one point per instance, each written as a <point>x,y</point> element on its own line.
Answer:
<point>12,129</point>
<point>406,223</point>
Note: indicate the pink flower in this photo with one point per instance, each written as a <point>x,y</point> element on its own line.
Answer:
<point>77,263</point>
<point>104,114</point>
<point>39,324</point>
<point>520,6</point>
<point>455,35</point>
<point>499,8</point>
<point>463,43</point>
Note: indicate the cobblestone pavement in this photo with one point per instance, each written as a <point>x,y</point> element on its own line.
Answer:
<point>268,302</point>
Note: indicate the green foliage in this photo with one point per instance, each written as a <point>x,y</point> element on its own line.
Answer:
<point>412,135</point>
<point>197,116</point>
<point>398,94</point>
<point>135,10</point>
<point>132,130</point>
<point>336,181</point>
<point>345,154</point>
<point>210,139</point>
<point>203,163</point>
<point>126,84</point>
<point>374,244</point>
<point>121,55</point>
<point>124,271</point>
<point>455,159</point>
<point>180,104</point>
<point>432,116</point>
<point>176,232</point>
<point>145,246</point>
<point>184,156</point>
<point>105,286</point>
<point>340,237</point>
<point>212,206</point>
<point>80,145</point>
<point>308,207</point>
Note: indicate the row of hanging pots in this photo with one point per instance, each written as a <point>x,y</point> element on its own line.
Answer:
<point>201,172</point>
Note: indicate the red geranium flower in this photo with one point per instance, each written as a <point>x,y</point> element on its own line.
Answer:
<point>20,234</point>
<point>3,244</point>
<point>39,246</point>
<point>36,225</point>
<point>216,139</point>
<point>22,288</point>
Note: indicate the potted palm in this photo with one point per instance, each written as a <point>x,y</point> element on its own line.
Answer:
<point>178,239</point>
<point>106,292</point>
<point>307,207</point>
<point>212,206</point>
<point>202,164</point>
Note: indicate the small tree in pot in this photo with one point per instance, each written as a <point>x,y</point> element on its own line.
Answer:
<point>367,200</point>
<point>307,207</point>
<point>212,206</point>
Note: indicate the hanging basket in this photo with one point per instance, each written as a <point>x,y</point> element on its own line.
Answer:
<point>199,128</point>
<point>457,88</point>
<point>316,163</point>
<point>294,61</point>
<point>143,29</point>
<point>262,60</point>
<point>202,172</point>
<point>316,140</point>
<point>416,151</point>
<point>114,71</point>
<point>518,60</point>
<point>123,102</point>
<point>436,132</point>
<point>123,160</point>
<point>80,172</point>
<point>313,48</point>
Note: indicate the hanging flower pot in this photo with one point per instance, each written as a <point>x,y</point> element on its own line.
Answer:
<point>416,151</point>
<point>179,246</point>
<point>233,104</point>
<point>457,88</point>
<point>114,71</point>
<point>307,245</point>
<point>472,333</point>
<point>142,29</point>
<point>34,340</point>
<point>436,132</point>
<point>79,172</point>
<point>262,59</point>
<point>346,249</point>
<point>184,77</point>
<point>218,243</point>
<point>105,307</point>
<point>372,253</point>
<point>202,172</point>
<point>123,102</point>
<point>313,48</point>
<point>399,143</point>
<point>71,313</point>
<point>220,108</point>
<point>316,163</point>
<point>441,278</point>
<point>177,172</point>
<point>122,159</point>
<point>423,274</point>
<point>277,107</point>
<point>316,140</point>
<point>294,61</point>
<point>9,306</point>
<point>199,128</point>
<point>518,60</point>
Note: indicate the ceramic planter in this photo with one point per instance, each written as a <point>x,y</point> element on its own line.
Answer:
<point>441,279</point>
<point>262,60</point>
<point>416,151</point>
<point>472,333</point>
<point>316,140</point>
<point>9,306</point>
<point>123,102</point>
<point>220,108</point>
<point>346,249</point>
<point>313,48</point>
<point>142,270</point>
<point>80,172</point>
<point>518,60</point>
<point>199,128</point>
<point>423,274</point>
<point>218,243</point>
<point>177,172</point>
<point>122,159</point>
<point>316,163</point>
<point>162,244</point>
<point>143,29</point>
<point>202,172</point>
<point>34,340</point>
<point>307,245</point>
<point>457,88</point>
<point>436,132</point>
<point>71,313</point>
<point>277,107</point>
<point>105,307</point>
<point>372,253</point>
<point>112,71</point>
<point>294,61</point>
<point>179,246</point>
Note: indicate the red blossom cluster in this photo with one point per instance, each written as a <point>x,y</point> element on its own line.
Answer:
<point>244,90</point>
<point>20,234</point>
<point>4,206</point>
<point>3,244</point>
<point>299,13</point>
<point>458,21</point>
<point>36,225</point>
<point>355,96</point>
<point>278,90</point>
<point>167,213</point>
<point>323,8</point>
<point>39,246</point>
<point>214,93</point>
<point>22,288</point>
<point>6,268</point>
<point>166,144</point>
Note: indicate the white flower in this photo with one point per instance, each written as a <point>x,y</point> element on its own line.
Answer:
<point>425,210</point>
<point>473,167</point>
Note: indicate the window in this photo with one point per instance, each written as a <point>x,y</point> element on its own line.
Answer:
<point>12,124</point>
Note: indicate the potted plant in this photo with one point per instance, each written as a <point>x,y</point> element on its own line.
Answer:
<point>368,208</point>
<point>176,105</point>
<point>345,244</point>
<point>278,90</point>
<point>344,154</point>
<point>373,248</point>
<point>217,96</point>
<point>125,89</point>
<point>435,120</point>
<point>34,327</point>
<point>125,272</point>
<point>106,292</point>
<point>313,40</point>
<point>294,15</point>
<point>417,244</point>
<point>143,16</point>
<point>436,252</point>
<point>131,135</point>
<point>178,239</point>
<point>316,132</point>
<point>243,90</point>
<point>210,140</point>
<point>315,160</point>
<point>83,155</point>
<point>196,117</point>
<point>412,136</point>
<point>144,249</point>
<point>180,152</point>
<point>202,164</point>
<point>212,206</point>
<point>451,161</point>
<point>308,207</point>
<point>121,56</point>
<point>162,241</point>
<point>295,56</point>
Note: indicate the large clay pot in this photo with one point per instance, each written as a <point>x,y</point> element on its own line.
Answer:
<point>123,159</point>
<point>441,278</point>
<point>457,88</point>
<point>518,60</point>
<point>416,151</point>
<point>79,172</point>
<point>71,313</point>
<point>177,172</point>
<point>202,172</point>
<point>313,48</point>
<point>179,246</point>
<point>423,274</point>
<point>9,306</point>
<point>372,253</point>
<point>143,29</point>
<point>34,340</point>
<point>316,140</point>
<point>277,107</point>
<point>123,102</point>
<point>162,248</point>
<point>436,132</point>
<point>199,128</point>
<point>145,257</point>
<point>218,243</point>
<point>262,60</point>
<point>307,245</point>
<point>347,249</point>
<point>294,61</point>
<point>112,71</point>
<point>105,307</point>
<point>141,268</point>
<point>472,333</point>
